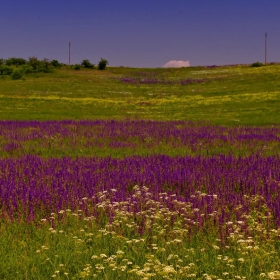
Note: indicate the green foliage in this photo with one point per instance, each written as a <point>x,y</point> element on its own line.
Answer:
<point>86,64</point>
<point>56,63</point>
<point>15,61</point>
<point>5,70</point>
<point>27,69</point>
<point>77,66</point>
<point>17,75</point>
<point>34,62</point>
<point>102,64</point>
<point>40,65</point>
<point>2,61</point>
<point>256,64</point>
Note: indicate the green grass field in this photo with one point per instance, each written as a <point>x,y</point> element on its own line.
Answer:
<point>228,95</point>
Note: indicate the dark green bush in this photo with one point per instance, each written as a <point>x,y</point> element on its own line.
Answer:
<point>102,64</point>
<point>256,64</point>
<point>86,64</point>
<point>27,69</point>
<point>17,61</point>
<point>55,63</point>
<point>5,70</point>
<point>17,75</point>
<point>2,61</point>
<point>34,62</point>
<point>39,66</point>
<point>77,66</point>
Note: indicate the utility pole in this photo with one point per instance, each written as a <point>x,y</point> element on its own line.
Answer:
<point>265,55</point>
<point>69,52</point>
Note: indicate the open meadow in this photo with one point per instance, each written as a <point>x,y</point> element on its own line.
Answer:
<point>222,95</point>
<point>142,174</point>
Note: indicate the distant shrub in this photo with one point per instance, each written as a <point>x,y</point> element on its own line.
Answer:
<point>15,61</point>
<point>55,63</point>
<point>40,65</point>
<point>102,64</point>
<point>34,62</point>
<point>77,66</point>
<point>256,64</point>
<point>86,64</point>
<point>2,61</point>
<point>27,69</point>
<point>47,66</point>
<point>5,70</point>
<point>17,75</point>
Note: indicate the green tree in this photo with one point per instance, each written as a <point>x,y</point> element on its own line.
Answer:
<point>40,65</point>
<point>102,64</point>
<point>256,64</point>
<point>5,70</point>
<point>55,63</point>
<point>34,62</point>
<point>86,64</point>
<point>17,61</point>
<point>77,66</point>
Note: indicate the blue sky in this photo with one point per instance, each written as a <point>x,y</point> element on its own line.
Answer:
<point>142,33</point>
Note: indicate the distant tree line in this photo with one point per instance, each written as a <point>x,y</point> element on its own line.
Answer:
<point>18,67</point>
<point>102,64</point>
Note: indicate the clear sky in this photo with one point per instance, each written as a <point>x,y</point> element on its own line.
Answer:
<point>141,33</point>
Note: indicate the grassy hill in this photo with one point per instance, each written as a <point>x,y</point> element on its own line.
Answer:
<point>226,95</point>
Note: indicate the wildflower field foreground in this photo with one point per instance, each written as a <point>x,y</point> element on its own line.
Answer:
<point>142,200</point>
